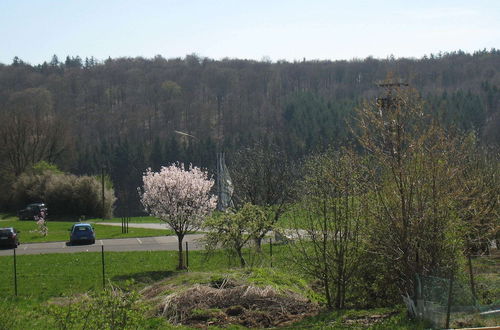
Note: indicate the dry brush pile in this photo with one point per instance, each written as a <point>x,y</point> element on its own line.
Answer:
<point>229,302</point>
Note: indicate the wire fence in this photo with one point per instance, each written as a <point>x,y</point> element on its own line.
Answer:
<point>450,302</point>
<point>56,274</point>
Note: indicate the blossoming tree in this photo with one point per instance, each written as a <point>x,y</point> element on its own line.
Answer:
<point>179,197</point>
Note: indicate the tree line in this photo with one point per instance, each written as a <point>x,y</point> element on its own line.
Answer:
<point>127,114</point>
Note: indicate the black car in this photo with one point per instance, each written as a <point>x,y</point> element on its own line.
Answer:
<point>9,237</point>
<point>82,233</point>
<point>32,210</point>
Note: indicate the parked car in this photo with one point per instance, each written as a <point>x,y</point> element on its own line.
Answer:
<point>9,237</point>
<point>82,233</point>
<point>32,210</point>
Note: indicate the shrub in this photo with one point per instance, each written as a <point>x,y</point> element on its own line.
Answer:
<point>108,309</point>
<point>65,194</point>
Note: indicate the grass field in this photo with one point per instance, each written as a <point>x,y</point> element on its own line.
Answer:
<point>41,278</point>
<point>143,219</point>
<point>50,275</point>
<point>58,231</point>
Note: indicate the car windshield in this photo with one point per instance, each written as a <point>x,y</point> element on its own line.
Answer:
<point>4,231</point>
<point>82,228</point>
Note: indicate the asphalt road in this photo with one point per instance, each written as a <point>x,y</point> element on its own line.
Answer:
<point>166,243</point>
<point>110,245</point>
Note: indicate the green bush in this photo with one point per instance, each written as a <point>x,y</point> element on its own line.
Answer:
<point>108,309</point>
<point>64,194</point>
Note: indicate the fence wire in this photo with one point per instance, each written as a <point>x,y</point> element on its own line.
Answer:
<point>54,274</point>
<point>446,301</point>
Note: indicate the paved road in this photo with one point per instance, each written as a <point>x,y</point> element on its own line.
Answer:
<point>118,244</point>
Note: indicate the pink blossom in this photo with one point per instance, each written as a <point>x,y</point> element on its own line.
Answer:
<point>179,197</point>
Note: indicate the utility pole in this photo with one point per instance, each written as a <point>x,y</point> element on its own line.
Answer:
<point>389,85</point>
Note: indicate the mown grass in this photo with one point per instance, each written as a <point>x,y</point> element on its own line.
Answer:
<point>59,231</point>
<point>143,219</point>
<point>52,275</point>
<point>43,277</point>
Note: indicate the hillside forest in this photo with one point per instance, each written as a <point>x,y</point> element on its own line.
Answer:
<point>121,116</point>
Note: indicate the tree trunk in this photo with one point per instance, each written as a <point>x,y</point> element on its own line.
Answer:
<point>326,284</point>
<point>258,244</point>
<point>340,278</point>
<point>242,260</point>
<point>181,265</point>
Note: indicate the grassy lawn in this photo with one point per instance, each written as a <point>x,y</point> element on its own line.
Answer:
<point>52,275</point>
<point>144,219</point>
<point>58,231</point>
<point>44,277</point>
<point>41,278</point>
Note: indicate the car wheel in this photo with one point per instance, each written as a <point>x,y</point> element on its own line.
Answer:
<point>92,242</point>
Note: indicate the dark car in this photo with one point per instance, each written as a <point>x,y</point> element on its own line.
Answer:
<point>32,210</point>
<point>82,233</point>
<point>9,237</point>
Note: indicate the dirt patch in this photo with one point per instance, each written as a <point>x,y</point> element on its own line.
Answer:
<point>367,320</point>
<point>228,302</point>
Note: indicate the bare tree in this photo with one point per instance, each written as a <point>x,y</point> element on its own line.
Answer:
<point>413,187</point>
<point>30,131</point>
<point>263,175</point>
<point>479,202</point>
<point>328,222</point>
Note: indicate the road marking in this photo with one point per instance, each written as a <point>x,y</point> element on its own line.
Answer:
<point>138,240</point>
<point>64,245</point>
<point>102,243</point>
<point>24,248</point>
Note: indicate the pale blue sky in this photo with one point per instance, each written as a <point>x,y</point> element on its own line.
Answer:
<point>34,30</point>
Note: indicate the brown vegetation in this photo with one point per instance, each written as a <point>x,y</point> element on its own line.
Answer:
<point>230,302</point>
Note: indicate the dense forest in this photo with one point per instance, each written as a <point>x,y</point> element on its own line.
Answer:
<point>124,115</point>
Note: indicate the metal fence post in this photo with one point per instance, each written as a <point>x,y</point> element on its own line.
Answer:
<point>103,269</point>
<point>271,250</point>
<point>448,309</point>
<point>187,255</point>
<point>471,277</point>
<point>15,273</point>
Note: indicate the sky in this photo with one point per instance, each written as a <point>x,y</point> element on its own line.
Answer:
<point>34,30</point>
